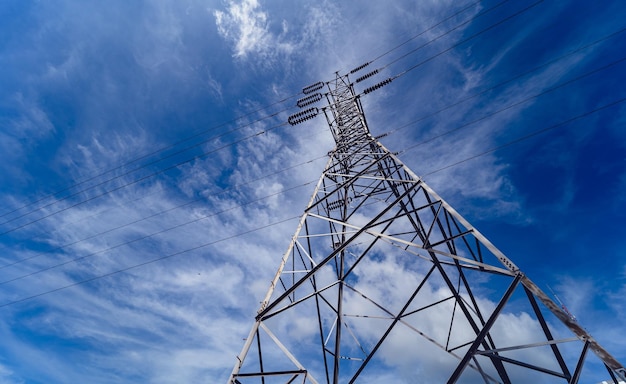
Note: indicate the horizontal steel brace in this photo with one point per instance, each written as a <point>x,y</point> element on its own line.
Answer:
<point>276,373</point>
<point>517,347</point>
<point>372,178</point>
<point>412,244</point>
<point>529,366</point>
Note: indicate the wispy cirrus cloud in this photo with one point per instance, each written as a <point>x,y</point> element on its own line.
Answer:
<point>246,25</point>
<point>29,125</point>
<point>104,85</point>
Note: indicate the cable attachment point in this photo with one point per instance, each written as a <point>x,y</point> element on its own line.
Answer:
<point>308,100</point>
<point>312,88</point>
<point>360,67</point>
<point>333,205</point>
<point>305,115</point>
<point>367,76</point>
<point>379,85</point>
<point>381,136</point>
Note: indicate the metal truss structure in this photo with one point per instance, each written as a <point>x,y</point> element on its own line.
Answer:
<point>382,274</point>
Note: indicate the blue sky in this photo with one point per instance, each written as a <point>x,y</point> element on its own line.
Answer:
<point>150,183</point>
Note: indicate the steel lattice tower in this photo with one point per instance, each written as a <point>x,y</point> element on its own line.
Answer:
<point>321,323</point>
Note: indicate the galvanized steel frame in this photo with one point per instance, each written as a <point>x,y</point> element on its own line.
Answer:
<point>367,204</point>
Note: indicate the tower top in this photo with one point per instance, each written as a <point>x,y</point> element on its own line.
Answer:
<point>383,272</point>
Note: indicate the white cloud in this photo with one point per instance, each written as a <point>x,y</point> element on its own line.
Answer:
<point>246,25</point>
<point>183,319</point>
<point>29,126</point>
<point>7,376</point>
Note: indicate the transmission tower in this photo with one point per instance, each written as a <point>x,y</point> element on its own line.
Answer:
<point>382,271</point>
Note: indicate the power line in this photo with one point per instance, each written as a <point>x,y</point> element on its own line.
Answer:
<point>406,149</point>
<point>455,14</point>
<point>519,102</point>
<point>231,187</point>
<point>509,80</point>
<point>430,58</point>
<point>507,144</point>
<point>538,94</point>
<point>155,173</point>
<point>204,132</point>
<point>530,135</point>
<point>161,212</point>
<point>397,129</point>
<point>148,262</point>
<point>144,237</point>
<point>136,169</point>
<point>162,149</point>
<point>473,36</point>
<point>143,178</point>
<point>535,133</point>
<point>464,23</point>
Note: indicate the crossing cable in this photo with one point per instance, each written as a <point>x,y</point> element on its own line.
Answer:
<point>461,42</point>
<point>156,161</point>
<point>110,230</point>
<point>471,37</point>
<point>162,149</point>
<point>144,196</point>
<point>464,23</point>
<point>393,131</point>
<point>528,136</point>
<point>140,167</point>
<point>515,104</point>
<point>424,117</point>
<point>549,62</point>
<point>204,132</point>
<point>457,13</point>
<point>158,172</point>
<point>225,190</point>
<point>178,253</point>
<point>507,144</point>
<point>151,261</point>
<point>581,48</point>
<point>558,86</point>
<point>189,202</point>
<point>143,178</point>
<point>160,232</point>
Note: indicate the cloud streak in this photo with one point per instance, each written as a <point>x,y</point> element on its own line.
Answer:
<point>92,87</point>
<point>246,25</point>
